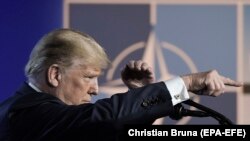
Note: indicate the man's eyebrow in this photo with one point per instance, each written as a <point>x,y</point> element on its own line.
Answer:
<point>92,73</point>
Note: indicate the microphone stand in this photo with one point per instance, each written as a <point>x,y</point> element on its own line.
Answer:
<point>218,116</point>
<point>180,111</point>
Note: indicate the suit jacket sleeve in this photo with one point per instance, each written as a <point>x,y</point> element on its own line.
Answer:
<point>51,118</point>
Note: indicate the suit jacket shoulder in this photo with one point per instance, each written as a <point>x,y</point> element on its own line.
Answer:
<point>45,117</point>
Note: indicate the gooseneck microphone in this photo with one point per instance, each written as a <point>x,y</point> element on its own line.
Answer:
<point>180,112</point>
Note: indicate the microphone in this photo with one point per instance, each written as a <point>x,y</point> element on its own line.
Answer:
<point>216,115</point>
<point>179,111</point>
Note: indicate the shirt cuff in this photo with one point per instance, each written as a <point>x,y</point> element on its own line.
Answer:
<point>177,90</point>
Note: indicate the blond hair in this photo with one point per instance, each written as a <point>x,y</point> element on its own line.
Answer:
<point>61,46</point>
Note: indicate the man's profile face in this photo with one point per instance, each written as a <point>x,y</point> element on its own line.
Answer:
<point>78,83</point>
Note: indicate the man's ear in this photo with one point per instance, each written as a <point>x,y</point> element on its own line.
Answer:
<point>54,75</point>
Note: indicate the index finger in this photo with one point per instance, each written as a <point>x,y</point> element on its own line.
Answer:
<point>230,82</point>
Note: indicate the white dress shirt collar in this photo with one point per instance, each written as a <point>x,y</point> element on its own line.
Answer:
<point>34,87</point>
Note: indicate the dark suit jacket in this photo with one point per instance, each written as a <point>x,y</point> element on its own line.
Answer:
<point>33,116</point>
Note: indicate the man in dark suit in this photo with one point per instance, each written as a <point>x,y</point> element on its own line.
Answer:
<point>62,72</point>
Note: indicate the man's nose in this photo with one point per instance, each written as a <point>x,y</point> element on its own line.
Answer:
<point>94,87</point>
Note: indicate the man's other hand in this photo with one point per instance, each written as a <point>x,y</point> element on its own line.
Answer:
<point>137,74</point>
